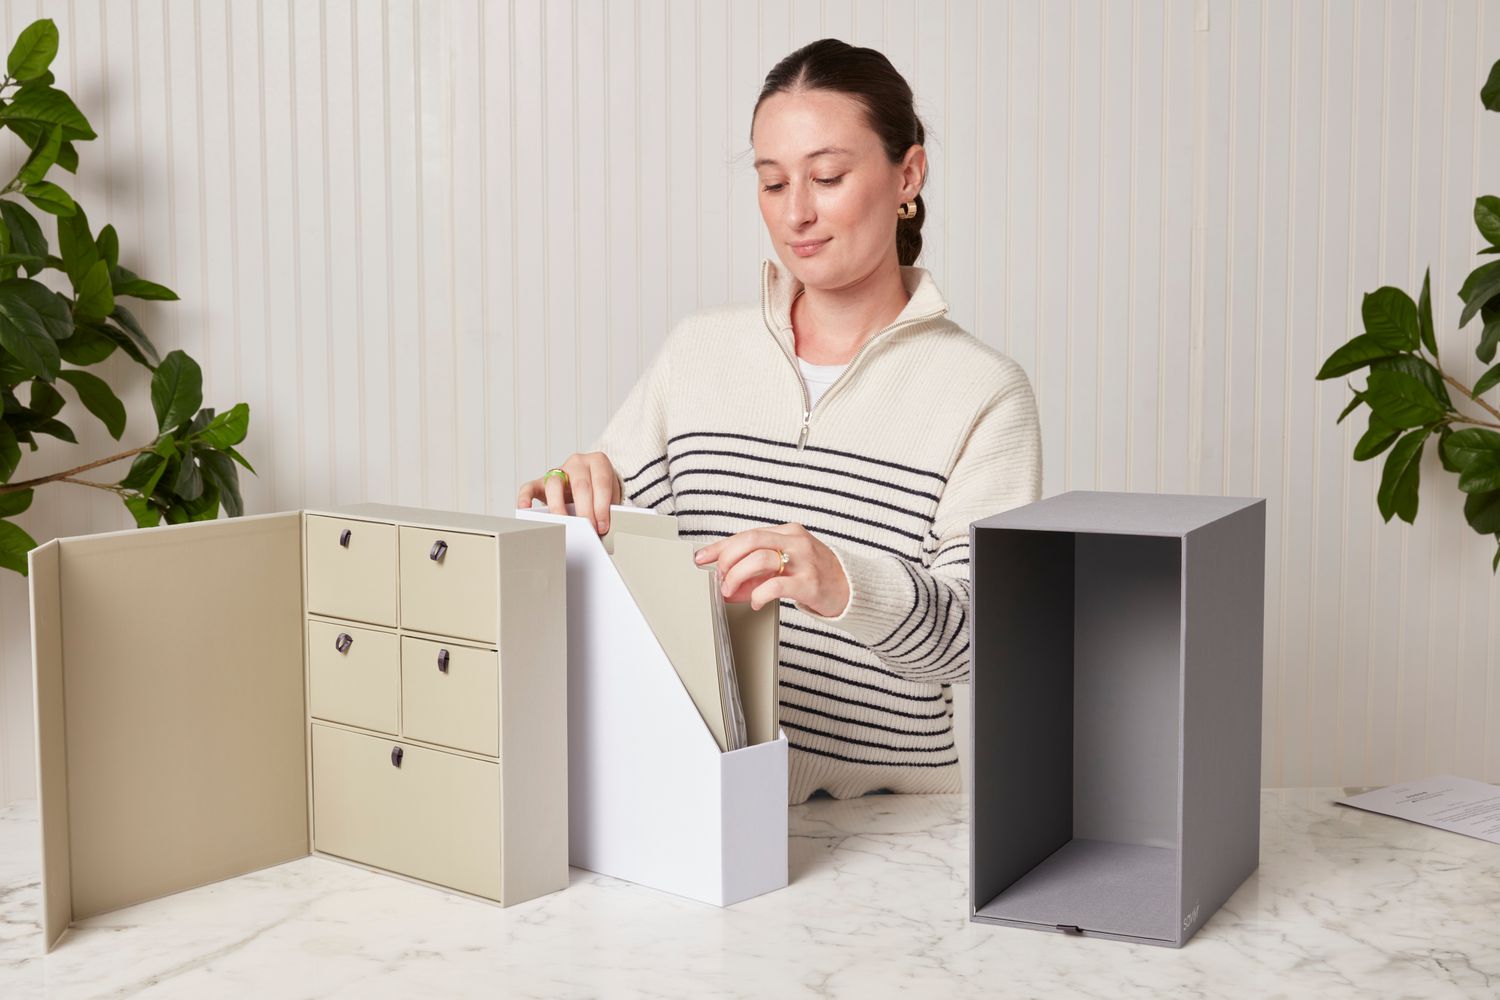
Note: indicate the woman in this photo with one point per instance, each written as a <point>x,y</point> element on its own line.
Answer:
<point>833,441</point>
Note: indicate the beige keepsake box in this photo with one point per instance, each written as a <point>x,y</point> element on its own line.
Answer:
<point>384,685</point>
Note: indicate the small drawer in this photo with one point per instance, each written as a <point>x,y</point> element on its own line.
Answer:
<point>351,569</point>
<point>450,695</point>
<point>424,813</point>
<point>357,682</point>
<point>449,583</point>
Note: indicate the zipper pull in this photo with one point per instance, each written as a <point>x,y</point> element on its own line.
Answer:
<point>802,438</point>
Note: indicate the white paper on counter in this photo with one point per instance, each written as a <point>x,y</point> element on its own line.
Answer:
<point>1461,805</point>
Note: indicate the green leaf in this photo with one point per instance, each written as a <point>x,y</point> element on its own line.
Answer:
<point>1444,433</point>
<point>41,158</point>
<point>242,460</point>
<point>57,429</point>
<point>25,233</point>
<point>1401,477</point>
<point>109,247</point>
<point>96,395</point>
<point>1488,340</point>
<point>176,390</point>
<point>1482,511</point>
<point>1356,354</point>
<point>95,299</point>
<point>141,467</point>
<point>1420,369</point>
<point>10,451</point>
<point>76,245</point>
<point>219,470</point>
<point>1376,439</point>
<point>32,320</point>
<point>48,106</point>
<point>45,400</point>
<point>1495,563</point>
<point>1424,315</point>
<point>1481,476</point>
<point>1354,403</point>
<point>1487,381</point>
<point>1479,294</point>
<point>15,502</point>
<point>50,198</point>
<point>146,514</point>
<point>140,288</point>
<point>14,544</point>
<point>127,321</point>
<point>1391,318</point>
<point>1469,445</point>
<point>34,50</point>
<point>189,482</point>
<point>1402,400</point>
<point>229,428</point>
<point>67,157</point>
<point>1487,218</point>
<point>1489,94</point>
<point>87,346</point>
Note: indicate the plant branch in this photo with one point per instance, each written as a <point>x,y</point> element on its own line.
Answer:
<point>68,474</point>
<point>1468,393</point>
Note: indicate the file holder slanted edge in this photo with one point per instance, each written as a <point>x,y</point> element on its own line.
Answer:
<point>651,799</point>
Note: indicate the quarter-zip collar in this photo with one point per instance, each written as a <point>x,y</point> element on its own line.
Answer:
<point>778,290</point>
<point>779,287</point>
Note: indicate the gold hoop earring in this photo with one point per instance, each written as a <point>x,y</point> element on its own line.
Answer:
<point>907,210</point>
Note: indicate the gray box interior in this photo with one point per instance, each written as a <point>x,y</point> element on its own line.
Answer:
<point>1115,636</point>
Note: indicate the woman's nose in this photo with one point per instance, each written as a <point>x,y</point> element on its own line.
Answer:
<point>799,206</point>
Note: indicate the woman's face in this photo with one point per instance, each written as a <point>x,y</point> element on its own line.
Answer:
<point>827,191</point>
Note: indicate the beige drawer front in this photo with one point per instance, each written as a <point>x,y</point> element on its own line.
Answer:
<point>357,580</point>
<point>360,686</point>
<point>455,594</point>
<point>458,706</point>
<point>436,817</point>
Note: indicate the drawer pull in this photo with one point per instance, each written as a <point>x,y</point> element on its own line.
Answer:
<point>438,548</point>
<point>344,537</point>
<point>396,754</point>
<point>343,642</point>
<point>443,660</point>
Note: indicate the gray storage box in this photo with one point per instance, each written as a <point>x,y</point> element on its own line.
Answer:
<point>1117,651</point>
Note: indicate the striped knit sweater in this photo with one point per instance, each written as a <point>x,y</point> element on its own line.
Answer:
<point>927,430</point>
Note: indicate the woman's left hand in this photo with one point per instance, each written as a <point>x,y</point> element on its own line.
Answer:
<point>749,561</point>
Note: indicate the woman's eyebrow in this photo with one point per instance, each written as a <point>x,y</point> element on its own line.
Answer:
<point>766,161</point>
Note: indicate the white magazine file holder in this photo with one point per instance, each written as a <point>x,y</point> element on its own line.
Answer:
<point>651,798</point>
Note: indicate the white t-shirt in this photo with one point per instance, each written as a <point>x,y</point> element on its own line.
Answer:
<point>818,378</point>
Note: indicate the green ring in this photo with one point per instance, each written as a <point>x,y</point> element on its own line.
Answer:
<point>556,474</point>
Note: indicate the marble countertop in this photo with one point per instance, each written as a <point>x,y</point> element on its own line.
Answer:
<point>1345,904</point>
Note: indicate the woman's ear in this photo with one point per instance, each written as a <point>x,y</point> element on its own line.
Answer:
<point>913,172</point>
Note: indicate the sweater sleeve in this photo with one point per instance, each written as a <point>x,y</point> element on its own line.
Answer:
<point>915,617</point>
<point>635,439</point>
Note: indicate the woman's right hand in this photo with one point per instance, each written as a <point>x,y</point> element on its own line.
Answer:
<point>591,487</point>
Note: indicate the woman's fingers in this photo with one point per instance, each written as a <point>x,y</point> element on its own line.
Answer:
<point>606,490</point>
<point>557,495</point>
<point>749,571</point>
<point>728,551</point>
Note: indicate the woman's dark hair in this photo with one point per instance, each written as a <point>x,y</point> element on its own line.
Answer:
<point>867,76</point>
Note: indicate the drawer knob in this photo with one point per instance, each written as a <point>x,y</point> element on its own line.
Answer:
<point>396,754</point>
<point>438,548</point>
<point>343,642</point>
<point>443,660</point>
<point>344,537</point>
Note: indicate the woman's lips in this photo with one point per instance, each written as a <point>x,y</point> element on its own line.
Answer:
<point>807,249</point>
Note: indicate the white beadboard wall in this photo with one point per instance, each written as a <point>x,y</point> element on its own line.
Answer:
<point>432,244</point>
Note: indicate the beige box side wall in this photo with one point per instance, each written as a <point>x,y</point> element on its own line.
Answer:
<point>183,683</point>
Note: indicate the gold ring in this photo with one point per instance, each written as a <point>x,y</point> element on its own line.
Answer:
<point>781,555</point>
<point>556,474</point>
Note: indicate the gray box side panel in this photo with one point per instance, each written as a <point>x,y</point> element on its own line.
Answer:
<point>1022,690</point>
<point>1127,684</point>
<point>1224,607</point>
